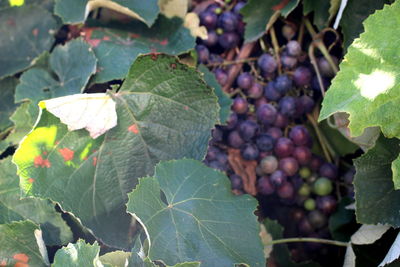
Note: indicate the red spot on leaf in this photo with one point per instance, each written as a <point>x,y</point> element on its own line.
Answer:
<point>87,36</point>
<point>21,264</point>
<point>186,107</point>
<point>164,42</point>
<point>57,142</point>
<point>134,35</point>
<point>3,263</point>
<point>133,128</point>
<point>85,158</point>
<point>173,65</point>
<point>44,153</point>
<point>40,162</point>
<point>66,153</point>
<point>35,32</point>
<point>94,42</point>
<point>153,55</point>
<point>94,161</point>
<point>281,5</point>
<point>31,180</point>
<point>106,38</point>
<point>21,257</point>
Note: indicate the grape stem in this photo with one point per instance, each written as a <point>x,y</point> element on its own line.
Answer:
<point>275,45</point>
<point>232,62</point>
<point>307,239</point>
<point>315,65</point>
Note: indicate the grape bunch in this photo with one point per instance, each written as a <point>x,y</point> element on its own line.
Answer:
<point>273,96</point>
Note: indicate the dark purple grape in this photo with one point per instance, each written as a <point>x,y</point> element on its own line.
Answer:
<point>284,147</point>
<point>307,103</point>
<point>217,165</point>
<point>232,121</point>
<point>265,142</point>
<point>316,163</point>
<point>317,219</point>
<point>217,134</point>
<point>240,105</point>
<point>283,84</point>
<point>212,153</point>
<point>299,135</point>
<point>259,102</point>
<point>302,76</point>
<point>288,31</point>
<point>325,68</point>
<point>275,132</point>
<point>287,106</point>
<point>305,227</point>
<point>248,129</point>
<point>228,40</point>
<point>281,121</point>
<point>212,39</point>
<point>202,53</point>
<point>267,63</point>
<point>236,182</point>
<point>208,19</point>
<point>269,164</point>
<point>326,204</point>
<point>255,91</point>
<point>316,86</point>
<point>348,176</point>
<point>213,7</point>
<point>302,154</point>
<point>238,7</point>
<point>266,114</point>
<point>215,58</point>
<point>234,139</point>
<point>328,170</point>
<point>286,190</point>
<point>297,214</point>
<point>221,76</point>
<point>245,80</point>
<point>271,93</point>
<point>289,166</point>
<point>228,21</point>
<point>293,48</point>
<point>278,177</point>
<point>288,62</point>
<point>264,186</point>
<point>249,151</point>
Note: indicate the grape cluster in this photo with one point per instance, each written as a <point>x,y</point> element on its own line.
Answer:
<point>272,96</point>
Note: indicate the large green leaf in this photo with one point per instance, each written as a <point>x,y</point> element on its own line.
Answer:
<point>40,211</point>
<point>78,254</point>
<point>367,86</point>
<point>376,199</point>
<point>26,32</point>
<point>354,14</point>
<point>7,106</point>
<point>21,245</point>
<point>76,11</point>
<point>165,111</point>
<point>190,214</point>
<point>117,48</point>
<point>71,66</point>
<point>47,4</point>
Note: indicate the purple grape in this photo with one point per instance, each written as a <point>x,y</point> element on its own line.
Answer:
<point>208,19</point>
<point>299,135</point>
<point>245,80</point>
<point>328,170</point>
<point>326,204</point>
<point>348,176</point>
<point>325,68</point>
<point>256,91</point>
<point>228,21</point>
<point>307,103</point>
<point>288,31</point>
<point>265,142</point>
<point>248,129</point>
<point>221,76</point>
<point>232,121</point>
<point>287,106</point>
<point>236,182</point>
<point>302,76</point>
<point>259,102</point>
<point>264,186</point>
<point>269,164</point>
<point>213,8</point>
<point>228,40</point>
<point>286,190</point>
<point>238,7</point>
<point>267,63</point>
<point>266,114</point>
<point>305,227</point>
<point>297,214</point>
<point>302,154</point>
<point>284,147</point>
<point>271,93</point>
<point>293,48</point>
<point>234,139</point>
<point>288,62</point>
<point>281,121</point>
<point>316,86</point>
<point>275,132</point>
<point>217,134</point>
<point>316,163</point>
<point>283,84</point>
<point>212,153</point>
<point>278,177</point>
<point>317,219</point>
<point>249,151</point>
<point>212,39</point>
<point>240,105</point>
<point>289,166</point>
<point>217,165</point>
<point>202,53</point>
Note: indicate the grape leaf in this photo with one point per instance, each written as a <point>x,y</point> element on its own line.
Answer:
<point>337,141</point>
<point>40,211</point>
<point>47,4</point>
<point>116,258</point>
<point>354,14</point>
<point>393,253</point>
<point>7,106</point>
<point>21,245</point>
<point>71,67</point>
<point>368,234</point>
<point>26,32</point>
<point>342,223</point>
<point>117,48</point>
<point>77,255</point>
<point>171,8</point>
<point>376,198</point>
<point>224,100</point>
<point>366,86</point>
<point>321,12</point>
<point>76,11</point>
<point>196,212</point>
<point>165,111</point>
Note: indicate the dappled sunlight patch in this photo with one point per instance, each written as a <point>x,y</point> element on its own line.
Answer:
<point>374,84</point>
<point>368,51</point>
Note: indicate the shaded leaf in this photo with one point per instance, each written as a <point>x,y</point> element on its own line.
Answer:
<point>320,9</point>
<point>337,141</point>
<point>7,106</point>
<point>198,214</point>
<point>367,84</point>
<point>376,198</point>
<point>77,255</point>
<point>26,32</point>
<point>342,223</point>
<point>21,245</point>
<point>47,4</point>
<point>165,111</point>
<point>40,211</point>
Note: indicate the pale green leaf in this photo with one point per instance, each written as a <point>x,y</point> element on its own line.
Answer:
<point>78,254</point>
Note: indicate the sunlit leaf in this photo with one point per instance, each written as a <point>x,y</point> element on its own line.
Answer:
<point>77,255</point>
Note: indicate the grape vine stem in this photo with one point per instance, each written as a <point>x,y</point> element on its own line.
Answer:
<point>307,239</point>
